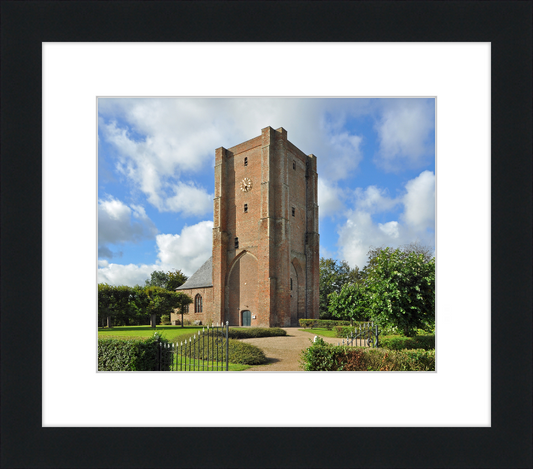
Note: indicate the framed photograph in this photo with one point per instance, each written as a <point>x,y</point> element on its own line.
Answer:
<point>473,59</point>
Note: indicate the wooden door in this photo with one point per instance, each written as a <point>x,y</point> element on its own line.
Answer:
<point>246,318</point>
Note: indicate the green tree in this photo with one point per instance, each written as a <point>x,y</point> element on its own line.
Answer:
<point>113,302</point>
<point>414,247</point>
<point>158,278</point>
<point>333,275</point>
<point>161,301</point>
<point>176,278</point>
<point>167,280</point>
<point>419,248</point>
<point>401,290</point>
<point>138,305</point>
<point>351,303</point>
<point>105,302</point>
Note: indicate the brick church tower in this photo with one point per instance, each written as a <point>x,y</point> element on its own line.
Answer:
<point>265,234</point>
<point>265,264</point>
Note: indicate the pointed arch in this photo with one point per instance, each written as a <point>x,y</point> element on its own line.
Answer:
<point>198,307</point>
<point>297,291</point>
<point>235,260</point>
<point>241,287</point>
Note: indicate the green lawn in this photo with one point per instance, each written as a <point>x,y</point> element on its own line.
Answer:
<point>320,331</point>
<point>197,366</point>
<point>168,332</point>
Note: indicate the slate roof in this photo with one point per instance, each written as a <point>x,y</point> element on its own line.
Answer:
<point>203,277</point>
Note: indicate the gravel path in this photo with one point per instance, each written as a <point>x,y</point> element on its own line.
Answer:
<point>283,353</point>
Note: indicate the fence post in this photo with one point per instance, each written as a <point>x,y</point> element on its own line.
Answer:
<point>227,345</point>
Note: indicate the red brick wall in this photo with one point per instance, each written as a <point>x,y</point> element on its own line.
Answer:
<point>273,245</point>
<point>207,313</point>
<point>242,291</point>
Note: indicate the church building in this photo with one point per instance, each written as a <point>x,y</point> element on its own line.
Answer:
<point>264,270</point>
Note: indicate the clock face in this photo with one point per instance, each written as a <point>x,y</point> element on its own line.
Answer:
<point>246,185</point>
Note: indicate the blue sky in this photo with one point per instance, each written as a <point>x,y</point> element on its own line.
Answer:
<point>376,171</point>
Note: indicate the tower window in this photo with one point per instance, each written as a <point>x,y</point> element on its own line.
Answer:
<point>293,211</point>
<point>236,243</point>
<point>245,208</point>
<point>245,161</point>
<point>291,283</point>
<point>294,165</point>
<point>198,303</point>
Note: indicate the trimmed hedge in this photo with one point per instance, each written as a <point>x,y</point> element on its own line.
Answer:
<point>239,352</point>
<point>245,354</point>
<point>345,331</point>
<point>397,342</point>
<point>327,323</point>
<point>323,357</point>
<point>254,332</point>
<point>132,354</point>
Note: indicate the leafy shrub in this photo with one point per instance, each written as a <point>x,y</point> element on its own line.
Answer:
<point>396,342</point>
<point>165,319</point>
<point>323,357</point>
<point>345,331</point>
<point>239,352</point>
<point>401,289</point>
<point>132,354</point>
<point>245,354</point>
<point>253,332</point>
<point>327,323</point>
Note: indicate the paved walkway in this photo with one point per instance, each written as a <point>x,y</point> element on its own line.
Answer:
<point>283,353</point>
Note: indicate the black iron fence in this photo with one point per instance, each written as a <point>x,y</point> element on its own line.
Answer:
<point>363,335</point>
<point>206,350</point>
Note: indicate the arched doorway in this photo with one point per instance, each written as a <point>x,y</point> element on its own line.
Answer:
<point>294,295</point>
<point>242,294</point>
<point>297,291</point>
<point>246,318</point>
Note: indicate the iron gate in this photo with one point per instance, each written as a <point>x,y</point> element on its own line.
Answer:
<point>365,335</point>
<point>206,350</point>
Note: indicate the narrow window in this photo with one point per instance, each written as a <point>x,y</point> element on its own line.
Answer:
<point>245,161</point>
<point>245,208</point>
<point>291,283</point>
<point>198,303</point>
<point>294,165</point>
<point>236,243</point>
<point>293,211</point>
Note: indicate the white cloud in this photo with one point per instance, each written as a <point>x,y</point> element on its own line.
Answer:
<point>329,198</point>
<point>161,143</point>
<point>188,250</point>
<point>416,223</point>
<point>359,233</point>
<point>419,202</point>
<point>404,130</point>
<point>189,199</point>
<point>119,223</point>
<point>374,200</point>
<point>345,156</point>
<point>391,229</point>
<point>118,274</point>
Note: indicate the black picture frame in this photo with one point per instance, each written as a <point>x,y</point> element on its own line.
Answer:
<point>507,25</point>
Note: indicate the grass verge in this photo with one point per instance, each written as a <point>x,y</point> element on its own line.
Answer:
<point>199,365</point>
<point>320,331</point>
<point>168,332</point>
